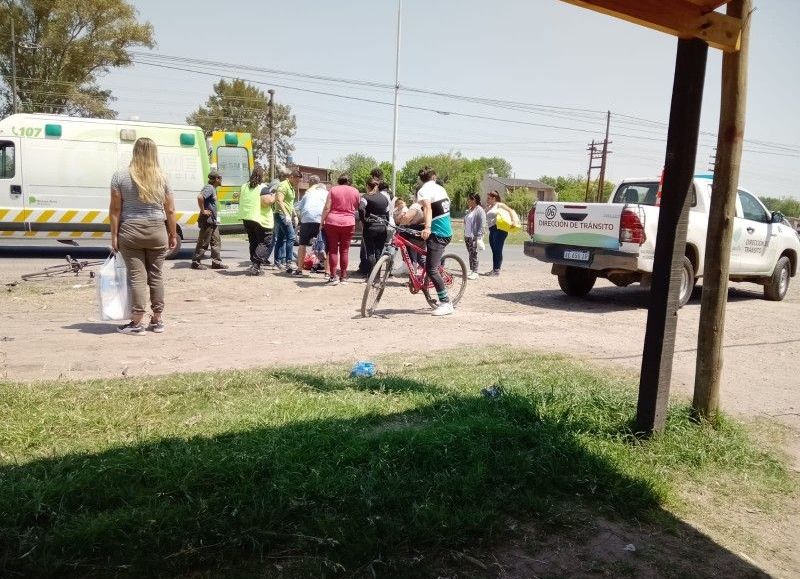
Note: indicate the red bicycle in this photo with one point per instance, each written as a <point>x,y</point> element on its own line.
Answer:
<point>452,269</point>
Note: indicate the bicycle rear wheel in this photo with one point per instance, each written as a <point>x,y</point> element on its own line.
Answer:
<point>454,273</point>
<point>376,283</point>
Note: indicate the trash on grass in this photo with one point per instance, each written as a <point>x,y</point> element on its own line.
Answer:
<point>494,391</point>
<point>363,369</point>
<point>630,547</point>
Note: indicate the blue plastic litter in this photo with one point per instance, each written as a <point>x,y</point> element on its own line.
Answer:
<point>363,370</point>
<point>495,391</point>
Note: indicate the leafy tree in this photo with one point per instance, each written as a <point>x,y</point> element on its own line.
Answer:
<point>786,205</point>
<point>501,167</point>
<point>240,106</point>
<point>358,166</point>
<point>63,46</point>
<point>521,200</point>
<point>461,176</point>
<point>573,187</point>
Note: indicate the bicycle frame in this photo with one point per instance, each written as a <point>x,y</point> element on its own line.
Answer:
<point>418,281</point>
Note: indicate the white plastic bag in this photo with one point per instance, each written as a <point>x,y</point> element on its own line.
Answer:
<point>481,245</point>
<point>399,268</point>
<point>112,289</point>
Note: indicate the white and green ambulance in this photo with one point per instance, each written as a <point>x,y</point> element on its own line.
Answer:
<point>55,171</point>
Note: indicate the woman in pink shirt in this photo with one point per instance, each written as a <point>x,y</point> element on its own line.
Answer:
<point>339,222</point>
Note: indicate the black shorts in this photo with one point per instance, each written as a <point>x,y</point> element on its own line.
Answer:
<point>308,231</point>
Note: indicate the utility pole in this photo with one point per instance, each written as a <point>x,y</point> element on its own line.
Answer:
<point>271,117</point>
<point>598,154</point>
<point>712,161</point>
<point>594,155</point>
<point>396,98</point>
<point>601,180</point>
<point>13,62</point>
<point>708,369</point>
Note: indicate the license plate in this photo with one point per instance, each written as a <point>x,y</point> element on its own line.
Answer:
<point>574,255</point>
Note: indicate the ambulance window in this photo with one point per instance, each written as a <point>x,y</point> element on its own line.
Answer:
<point>234,165</point>
<point>6,160</point>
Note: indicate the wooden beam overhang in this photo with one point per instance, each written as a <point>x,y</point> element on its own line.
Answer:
<point>681,18</point>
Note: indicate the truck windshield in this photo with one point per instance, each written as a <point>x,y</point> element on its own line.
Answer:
<point>643,193</point>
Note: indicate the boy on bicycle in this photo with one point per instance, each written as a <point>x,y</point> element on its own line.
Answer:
<point>437,233</point>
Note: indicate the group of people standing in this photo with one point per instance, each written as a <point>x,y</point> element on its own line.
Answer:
<point>141,202</point>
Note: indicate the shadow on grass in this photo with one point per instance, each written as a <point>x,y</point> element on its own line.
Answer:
<point>381,494</point>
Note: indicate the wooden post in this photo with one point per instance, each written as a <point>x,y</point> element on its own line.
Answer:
<point>720,219</point>
<point>662,314</point>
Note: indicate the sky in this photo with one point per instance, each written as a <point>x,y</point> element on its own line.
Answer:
<point>565,65</point>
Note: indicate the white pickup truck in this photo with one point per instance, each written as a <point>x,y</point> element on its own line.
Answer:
<point>617,240</point>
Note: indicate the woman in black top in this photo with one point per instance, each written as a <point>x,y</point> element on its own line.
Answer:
<point>374,203</point>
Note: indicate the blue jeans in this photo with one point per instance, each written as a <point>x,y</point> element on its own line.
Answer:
<point>284,239</point>
<point>497,239</point>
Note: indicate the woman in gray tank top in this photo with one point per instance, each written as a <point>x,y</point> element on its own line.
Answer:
<point>141,204</point>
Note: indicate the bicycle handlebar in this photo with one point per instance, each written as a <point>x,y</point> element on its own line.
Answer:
<point>406,230</point>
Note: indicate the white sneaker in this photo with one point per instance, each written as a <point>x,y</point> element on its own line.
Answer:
<point>444,309</point>
<point>473,275</point>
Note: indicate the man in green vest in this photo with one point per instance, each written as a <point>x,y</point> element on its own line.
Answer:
<point>284,213</point>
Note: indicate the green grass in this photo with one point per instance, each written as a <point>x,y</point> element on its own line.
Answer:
<point>328,474</point>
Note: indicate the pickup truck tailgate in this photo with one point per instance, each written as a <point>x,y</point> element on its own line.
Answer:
<point>578,224</point>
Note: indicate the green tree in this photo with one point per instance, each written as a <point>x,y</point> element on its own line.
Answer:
<point>358,166</point>
<point>63,47</point>
<point>520,200</point>
<point>502,168</point>
<point>573,187</point>
<point>240,106</point>
<point>461,176</point>
<point>786,205</point>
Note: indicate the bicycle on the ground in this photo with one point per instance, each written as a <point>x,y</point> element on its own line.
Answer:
<point>72,266</point>
<point>452,269</point>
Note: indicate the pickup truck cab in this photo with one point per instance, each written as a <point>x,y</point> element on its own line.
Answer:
<point>617,240</point>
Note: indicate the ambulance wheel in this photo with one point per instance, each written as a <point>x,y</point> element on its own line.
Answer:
<point>173,253</point>
<point>577,281</point>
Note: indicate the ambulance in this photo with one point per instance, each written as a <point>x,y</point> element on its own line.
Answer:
<point>55,172</point>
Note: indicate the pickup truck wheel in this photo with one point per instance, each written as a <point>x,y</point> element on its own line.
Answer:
<point>778,285</point>
<point>576,281</point>
<point>688,281</point>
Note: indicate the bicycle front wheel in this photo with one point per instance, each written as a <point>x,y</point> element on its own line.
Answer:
<point>52,271</point>
<point>376,283</point>
<point>454,273</point>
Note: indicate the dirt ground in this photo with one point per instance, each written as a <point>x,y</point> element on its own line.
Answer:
<point>221,320</point>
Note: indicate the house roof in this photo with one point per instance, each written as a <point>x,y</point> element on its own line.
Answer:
<point>513,183</point>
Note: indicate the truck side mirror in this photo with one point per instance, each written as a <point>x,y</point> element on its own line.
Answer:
<point>777,217</point>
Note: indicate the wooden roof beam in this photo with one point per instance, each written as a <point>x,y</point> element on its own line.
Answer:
<point>681,18</point>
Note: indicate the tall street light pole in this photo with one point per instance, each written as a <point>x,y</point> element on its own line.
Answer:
<point>396,98</point>
<point>13,61</point>
<point>271,134</point>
